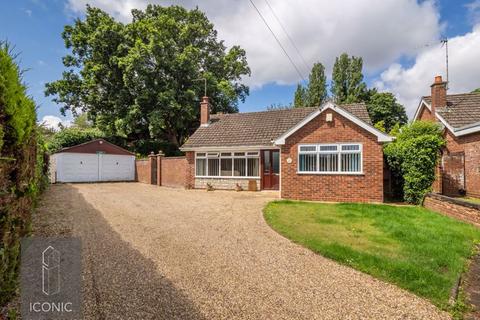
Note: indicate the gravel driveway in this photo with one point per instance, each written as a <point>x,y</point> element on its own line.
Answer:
<point>158,253</point>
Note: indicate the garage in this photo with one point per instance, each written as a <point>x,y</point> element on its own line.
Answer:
<point>93,161</point>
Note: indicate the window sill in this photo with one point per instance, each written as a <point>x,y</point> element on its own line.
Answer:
<point>332,173</point>
<point>227,177</point>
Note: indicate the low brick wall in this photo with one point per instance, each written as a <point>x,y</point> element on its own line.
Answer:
<point>143,170</point>
<point>452,207</point>
<point>174,172</point>
<point>224,184</point>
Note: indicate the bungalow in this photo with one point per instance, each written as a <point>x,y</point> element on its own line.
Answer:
<point>329,153</point>
<point>459,114</point>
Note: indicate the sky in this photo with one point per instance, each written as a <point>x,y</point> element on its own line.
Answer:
<point>399,41</point>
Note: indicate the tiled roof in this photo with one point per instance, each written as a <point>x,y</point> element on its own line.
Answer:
<point>257,128</point>
<point>462,110</point>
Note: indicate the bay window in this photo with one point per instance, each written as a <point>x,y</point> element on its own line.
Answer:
<point>330,158</point>
<point>227,164</point>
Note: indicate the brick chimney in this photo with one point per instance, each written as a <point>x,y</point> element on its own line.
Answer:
<point>204,112</point>
<point>439,94</point>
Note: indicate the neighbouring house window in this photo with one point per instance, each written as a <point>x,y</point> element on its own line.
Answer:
<point>227,164</point>
<point>330,158</point>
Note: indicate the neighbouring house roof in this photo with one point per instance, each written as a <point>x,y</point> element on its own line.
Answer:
<point>261,128</point>
<point>461,115</point>
<point>97,145</point>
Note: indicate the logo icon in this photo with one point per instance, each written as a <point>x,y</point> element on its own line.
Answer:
<point>50,271</point>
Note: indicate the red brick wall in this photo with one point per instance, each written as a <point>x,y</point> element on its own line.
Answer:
<point>190,170</point>
<point>426,115</point>
<point>454,208</point>
<point>143,171</point>
<point>470,146</point>
<point>333,187</point>
<point>174,171</point>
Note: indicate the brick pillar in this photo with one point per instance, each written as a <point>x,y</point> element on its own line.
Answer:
<point>152,166</point>
<point>190,171</point>
<point>160,155</point>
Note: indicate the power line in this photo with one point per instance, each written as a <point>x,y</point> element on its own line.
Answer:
<point>278,41</point>
<point>288,35</point>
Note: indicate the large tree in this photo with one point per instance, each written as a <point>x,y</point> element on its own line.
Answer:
<point>383,107</point>
<point>317,85</point>
<point>143,79</point>
<point>300,99</point>
<point>347,80</point>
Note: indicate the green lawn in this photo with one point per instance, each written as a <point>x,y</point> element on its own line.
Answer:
<point>412,247</point>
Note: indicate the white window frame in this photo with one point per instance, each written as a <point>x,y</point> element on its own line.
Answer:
<point>218,155</point>
<point>339,151</point>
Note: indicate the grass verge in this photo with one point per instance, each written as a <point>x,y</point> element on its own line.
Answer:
<point>412,247</point>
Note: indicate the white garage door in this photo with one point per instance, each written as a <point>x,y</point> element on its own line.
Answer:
<point>87,167</point>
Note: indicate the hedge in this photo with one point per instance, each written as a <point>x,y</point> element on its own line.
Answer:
<point>22,169</point>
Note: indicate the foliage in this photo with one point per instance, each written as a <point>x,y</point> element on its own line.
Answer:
<point>300,99</point>
<point>142,80</point>
<point>81,121</point>
<point>72,136</point>
<point>22,169</point>
<point>476,90</point>
<point>383,107</point>
<point>17,109</point>
<point>347,80</point>
<point>414,156</point>
<point>412,247</point>
<point>317,86</point>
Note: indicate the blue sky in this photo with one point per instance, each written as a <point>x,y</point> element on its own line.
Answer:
<point>34,27</point>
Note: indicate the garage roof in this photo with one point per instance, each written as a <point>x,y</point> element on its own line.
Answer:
<point>96,146</point>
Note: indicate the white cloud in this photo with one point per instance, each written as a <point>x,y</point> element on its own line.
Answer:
<point>28,12</point>
<point>54,122</point>
<point>379,31</point>
<point>409,84</point>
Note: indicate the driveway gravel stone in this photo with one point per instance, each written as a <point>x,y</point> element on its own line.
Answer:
<point>158,253</point>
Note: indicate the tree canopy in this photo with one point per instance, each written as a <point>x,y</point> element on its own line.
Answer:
<point>144,79</point>
<point>300,99</point>
<point>386,111</point>
<point>317,85</point>
<point>316,91</point>
<point>347,80</point>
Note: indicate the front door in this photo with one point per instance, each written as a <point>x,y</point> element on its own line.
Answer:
<point>270,169</point>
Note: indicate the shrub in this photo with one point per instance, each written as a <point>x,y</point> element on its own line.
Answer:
<point>413,156</point>
<point>22,173</point>
<point>18,109</point>
<point>72,136</point>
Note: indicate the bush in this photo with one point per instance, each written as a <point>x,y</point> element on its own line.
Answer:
<point>18,109</point>
<point>72,136</point>
<point>22,169</point>
<point>413,156</point>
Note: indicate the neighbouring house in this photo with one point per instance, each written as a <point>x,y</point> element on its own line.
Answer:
<point>93,161</point>
<point>329,153</point>
<point>459,114</point>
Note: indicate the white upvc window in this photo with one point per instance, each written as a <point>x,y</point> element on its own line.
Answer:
<point>238,164</point>
<point>340,158</point>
